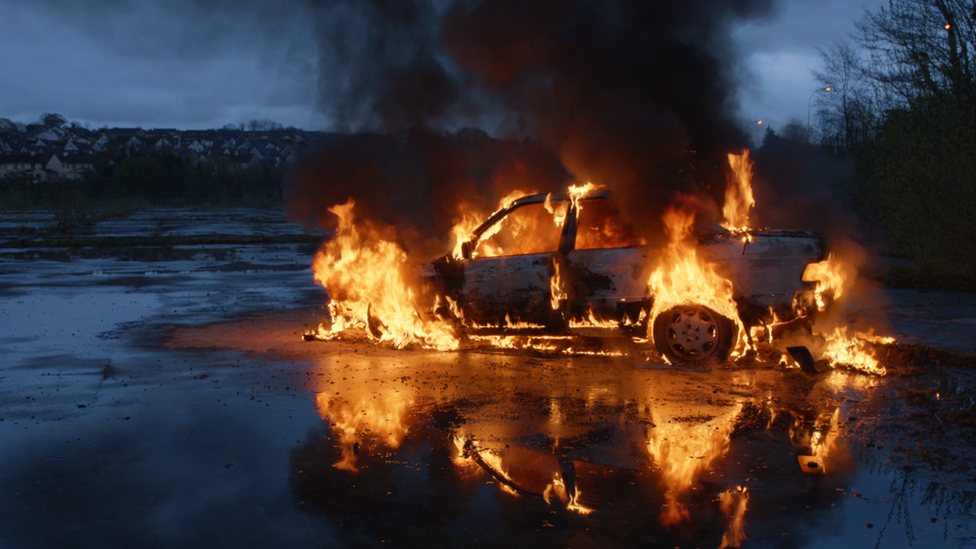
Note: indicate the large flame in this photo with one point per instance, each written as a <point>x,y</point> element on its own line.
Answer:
<point>470,218</point>
<point>684,452</point>
<point>681,277</point>
<point>364,275</point>
<point>834,279</point>
<point>851,350</point>
<point>832,276</point>
<point>738,193</point>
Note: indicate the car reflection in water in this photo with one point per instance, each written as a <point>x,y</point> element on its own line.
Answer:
<point>482,450</point>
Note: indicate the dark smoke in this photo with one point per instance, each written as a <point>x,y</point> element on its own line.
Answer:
<point>415,180</point>
<point>635,95</point>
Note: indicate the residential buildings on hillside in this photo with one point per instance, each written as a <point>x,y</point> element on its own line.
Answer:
<point>67,153</point>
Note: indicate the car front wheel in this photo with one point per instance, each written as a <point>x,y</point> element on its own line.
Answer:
<point>693,334</point>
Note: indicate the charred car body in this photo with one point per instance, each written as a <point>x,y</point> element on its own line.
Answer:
<point>554,263</point>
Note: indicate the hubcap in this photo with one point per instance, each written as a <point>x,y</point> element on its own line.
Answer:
<point>692,333</point>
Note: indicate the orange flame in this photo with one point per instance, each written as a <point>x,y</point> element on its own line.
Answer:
<point>364,275</point>
<point>681,277</point>
<point>558,212</point>
<point>738,193</point>
<point>470,218</point>
<point>465,223</point>
<point>832,277</point>
<point>851,350</point>
<point>578,192</point>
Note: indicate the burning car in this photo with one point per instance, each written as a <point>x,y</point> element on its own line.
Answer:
<point>566,263</point>
<point>558,265</point>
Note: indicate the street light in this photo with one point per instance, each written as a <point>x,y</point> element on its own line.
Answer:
<point>809,102</point>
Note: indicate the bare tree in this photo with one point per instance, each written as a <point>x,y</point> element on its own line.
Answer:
<point>847,112</point>
<point>913,91</point>
<point>920,49</point>
<point>796,131</point>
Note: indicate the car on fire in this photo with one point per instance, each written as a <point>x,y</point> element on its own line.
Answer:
<point>555,263</point>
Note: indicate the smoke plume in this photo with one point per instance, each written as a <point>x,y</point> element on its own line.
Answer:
<point>635,95</point>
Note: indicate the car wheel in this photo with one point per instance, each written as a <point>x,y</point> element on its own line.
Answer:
<point>693,334</point>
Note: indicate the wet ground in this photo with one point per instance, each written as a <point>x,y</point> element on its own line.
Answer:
<point>160,394</point>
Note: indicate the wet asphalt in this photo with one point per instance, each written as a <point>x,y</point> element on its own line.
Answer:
<point>161,395</point>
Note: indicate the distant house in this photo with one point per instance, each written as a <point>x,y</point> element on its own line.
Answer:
<point>102,144</point>
<point>14,164</point>
<point>244,162</point>
<point>288,155</point>
<point>75,167</point>
<point>40,167</point>
<point>134,144</point>
<point>52,134</point>
<point>163,144</point>
<point>7,126</point>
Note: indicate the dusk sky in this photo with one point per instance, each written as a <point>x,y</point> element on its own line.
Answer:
<point>201,64</point>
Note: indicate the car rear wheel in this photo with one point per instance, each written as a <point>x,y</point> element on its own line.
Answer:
<point>693,334</point>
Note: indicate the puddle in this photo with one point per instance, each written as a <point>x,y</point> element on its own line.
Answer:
<point>166,393</point>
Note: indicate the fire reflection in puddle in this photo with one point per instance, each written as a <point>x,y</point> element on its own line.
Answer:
<point>683,455</point>
<point>684,448</point>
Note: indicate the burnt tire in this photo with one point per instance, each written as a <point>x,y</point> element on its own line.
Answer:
<point>693,334</point>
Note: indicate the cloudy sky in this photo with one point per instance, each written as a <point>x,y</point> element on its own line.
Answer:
<point>201,64</point>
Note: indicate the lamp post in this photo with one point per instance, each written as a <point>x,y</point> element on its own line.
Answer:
<point>810,102</point>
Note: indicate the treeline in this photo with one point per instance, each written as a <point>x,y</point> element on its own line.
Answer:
<point>902,106</point>
<point>159,180</point>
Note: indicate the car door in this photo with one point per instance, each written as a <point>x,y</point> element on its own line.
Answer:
<point>608,265</point>
<point>509,273</point>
